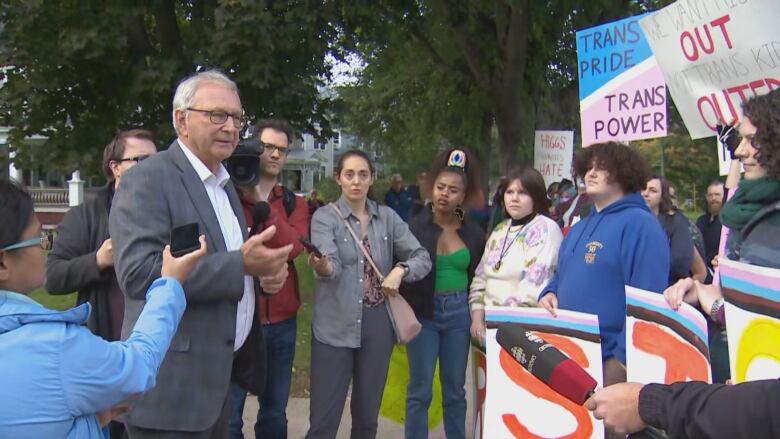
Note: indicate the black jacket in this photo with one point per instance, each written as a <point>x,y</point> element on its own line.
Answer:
<point>680,245</point>
<point>420,294</point>
<point>72,265</point>
<point>711,411</point>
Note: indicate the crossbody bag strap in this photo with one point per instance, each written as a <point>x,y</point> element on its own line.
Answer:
<point>359,243</point>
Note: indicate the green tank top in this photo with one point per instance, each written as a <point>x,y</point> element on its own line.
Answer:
<point>452,271</point>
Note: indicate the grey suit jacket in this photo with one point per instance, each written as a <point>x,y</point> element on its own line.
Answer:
<point>155,196</point>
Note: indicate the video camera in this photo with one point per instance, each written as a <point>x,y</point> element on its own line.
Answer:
<point>244,164</point>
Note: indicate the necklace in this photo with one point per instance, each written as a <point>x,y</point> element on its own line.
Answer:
<point>522,222</point>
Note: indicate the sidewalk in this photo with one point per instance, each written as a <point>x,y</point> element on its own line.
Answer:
<point>298,418</point>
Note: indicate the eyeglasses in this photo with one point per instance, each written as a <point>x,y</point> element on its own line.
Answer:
<point>45,241</point>
<point>220,117</point>
<point>270,148</point>
<point>137,159</point>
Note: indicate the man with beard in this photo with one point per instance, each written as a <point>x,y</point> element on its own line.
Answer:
<point>709,223</point>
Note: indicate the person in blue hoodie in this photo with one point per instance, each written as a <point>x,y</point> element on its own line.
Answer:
<point>58,380</point>
<point>620,243</point>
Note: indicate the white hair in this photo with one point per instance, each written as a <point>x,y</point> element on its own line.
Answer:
<point>185,91</point>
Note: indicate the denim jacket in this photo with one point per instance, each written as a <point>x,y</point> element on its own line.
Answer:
<point>338,298</point>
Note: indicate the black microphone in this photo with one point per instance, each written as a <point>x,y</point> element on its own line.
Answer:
<point>260,213</point>
<point>547,363</point>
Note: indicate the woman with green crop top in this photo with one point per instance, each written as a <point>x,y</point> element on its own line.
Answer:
<point>440,300</point>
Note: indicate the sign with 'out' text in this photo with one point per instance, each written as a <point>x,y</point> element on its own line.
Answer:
<point>553,154</point>
<point>715,55</point>
<point>622,89</point>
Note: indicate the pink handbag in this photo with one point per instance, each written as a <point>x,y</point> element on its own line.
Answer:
<point>405,323</point>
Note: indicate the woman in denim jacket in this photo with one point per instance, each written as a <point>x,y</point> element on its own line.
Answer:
<point>352,332</point>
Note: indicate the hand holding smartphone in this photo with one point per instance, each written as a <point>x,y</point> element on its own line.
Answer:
<point>310,247</point>
<point>184,239</point>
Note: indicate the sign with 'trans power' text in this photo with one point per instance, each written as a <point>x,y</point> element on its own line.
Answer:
<point>622,89</point>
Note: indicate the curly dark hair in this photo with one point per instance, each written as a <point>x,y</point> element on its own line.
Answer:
<point>625,166</point>
<point>764,113</point>
<point>469,173</point>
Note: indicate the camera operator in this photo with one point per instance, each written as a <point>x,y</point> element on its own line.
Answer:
<point>258,182</point>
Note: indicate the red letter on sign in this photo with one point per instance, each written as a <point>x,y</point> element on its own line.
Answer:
<point>524,379</point>
<point>683,361</point>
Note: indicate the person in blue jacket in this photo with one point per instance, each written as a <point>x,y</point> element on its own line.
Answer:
<point>58,380</point>
<point>620,243</point>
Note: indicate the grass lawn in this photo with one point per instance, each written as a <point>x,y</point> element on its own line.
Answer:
<point>60,302</point>
<point>302,363</point>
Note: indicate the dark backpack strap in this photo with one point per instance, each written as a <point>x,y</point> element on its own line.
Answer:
<point>288,200</point>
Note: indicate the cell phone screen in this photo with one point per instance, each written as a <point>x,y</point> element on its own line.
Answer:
<point>310,247</point>
<point>184,239</point>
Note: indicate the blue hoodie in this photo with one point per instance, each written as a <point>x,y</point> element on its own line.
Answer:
<point>55,374</point>
<point>621,245</point>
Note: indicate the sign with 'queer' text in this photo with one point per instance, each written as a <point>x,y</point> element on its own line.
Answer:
<point>622,89</point>
<point>716,55</point>
<point>553,154</point>
<point>517,404</point>
<point>664,345</point>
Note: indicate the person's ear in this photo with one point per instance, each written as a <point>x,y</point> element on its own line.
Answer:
<point>5,273</point>
<point>181,121</point>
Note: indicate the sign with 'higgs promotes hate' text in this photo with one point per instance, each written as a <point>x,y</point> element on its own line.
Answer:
<point>553,154</point>
<point>622,89</point>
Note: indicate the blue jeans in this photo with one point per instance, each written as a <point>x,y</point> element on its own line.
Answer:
<point>272,415</point>
<point>446,337</point>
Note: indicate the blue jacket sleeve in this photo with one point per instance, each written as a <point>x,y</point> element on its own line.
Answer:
<point>97,374</point>
<point>645,253</point>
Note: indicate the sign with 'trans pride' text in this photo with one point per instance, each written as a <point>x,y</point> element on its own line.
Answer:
<point>622,89</point>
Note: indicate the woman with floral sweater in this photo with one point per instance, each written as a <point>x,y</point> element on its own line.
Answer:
<point>520,254</point>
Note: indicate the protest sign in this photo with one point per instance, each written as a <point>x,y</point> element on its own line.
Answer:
<point>752,296</point>
<point>715,55</point>
<point>622,90</point>
<point>664,345</point>
<point>517,404</point>
<point>553,154</point>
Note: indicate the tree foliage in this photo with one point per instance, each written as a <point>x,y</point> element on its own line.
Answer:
<point>504,64</point>
<point>79,71</point>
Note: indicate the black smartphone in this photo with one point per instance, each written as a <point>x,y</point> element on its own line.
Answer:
<point>310,247</point>
<point>184,239</point>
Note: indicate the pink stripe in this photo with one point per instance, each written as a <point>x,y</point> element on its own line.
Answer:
<point>525,312</point>
<point>762,280</point>
<point>658,300</point>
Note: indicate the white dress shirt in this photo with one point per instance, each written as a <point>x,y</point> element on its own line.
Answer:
<point>231,232</point>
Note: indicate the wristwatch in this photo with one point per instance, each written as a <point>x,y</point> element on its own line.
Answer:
<point>716,305</point>
<point>404,266</point>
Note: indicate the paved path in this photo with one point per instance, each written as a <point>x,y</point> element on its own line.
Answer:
<point>298,416</point>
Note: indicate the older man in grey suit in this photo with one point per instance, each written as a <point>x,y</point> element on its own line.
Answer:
<point>188,184</point>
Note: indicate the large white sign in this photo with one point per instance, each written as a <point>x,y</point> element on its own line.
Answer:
<point>664,345</point>
<point>517,404</point>
<point>753,319</point>
<point>553,153</point>
<point>714,55</point>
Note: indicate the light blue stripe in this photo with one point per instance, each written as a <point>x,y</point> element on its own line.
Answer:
<point>748,287</point>
<point>545,321</point>
<point>639,50</point>
<point>671,314</point>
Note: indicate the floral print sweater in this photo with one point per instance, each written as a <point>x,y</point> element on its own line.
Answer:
<point>530,256</point>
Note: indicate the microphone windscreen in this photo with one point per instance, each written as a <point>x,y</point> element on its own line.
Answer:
<point>546,362</point>
<point>260,213</point>
<point>572,382</point>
